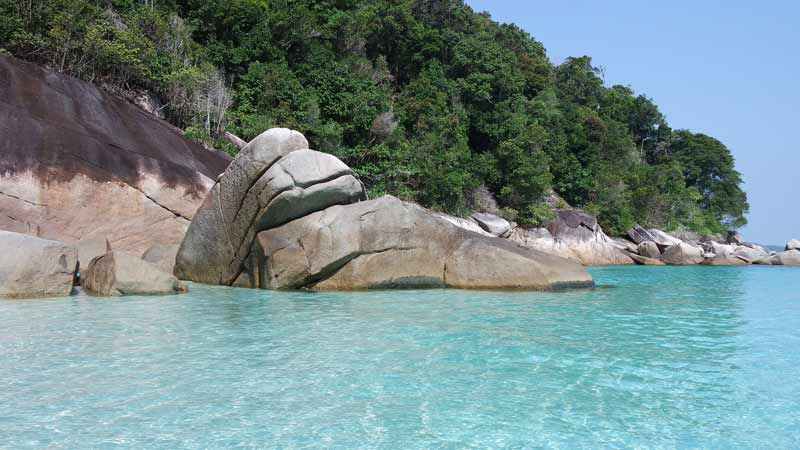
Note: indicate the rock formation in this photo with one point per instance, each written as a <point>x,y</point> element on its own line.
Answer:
<point>575,235</point>
<point>494,225</point>
<point>81,166</point>
<point>793,244</point>
<point>33,267</point>
<point>786,258</point>
<point>286,217</point>
<point>120,273</point>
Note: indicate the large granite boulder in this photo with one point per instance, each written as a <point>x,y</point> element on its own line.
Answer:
<point>682,254</point>
<point>32,267</point>
<point>649,249</point>
<point>725,260</point>
<point>643,260</point>
<point>120,273</point>
<point>752,255</point>
<point>793,244</point>
<point>492,224</point>
<point>786,258</point>
<point>286,217</point>
<point>80,165</point>
<point>275,179</point>
<point>387,243</point>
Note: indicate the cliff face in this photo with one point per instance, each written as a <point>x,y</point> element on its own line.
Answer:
<point>78,164</point>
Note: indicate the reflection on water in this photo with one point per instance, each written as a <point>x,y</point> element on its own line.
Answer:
<point>688,357</point>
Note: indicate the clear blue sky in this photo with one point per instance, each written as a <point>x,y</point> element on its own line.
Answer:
<point>730,69</point>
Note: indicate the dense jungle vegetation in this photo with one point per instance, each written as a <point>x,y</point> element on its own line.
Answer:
<point>427,100</point>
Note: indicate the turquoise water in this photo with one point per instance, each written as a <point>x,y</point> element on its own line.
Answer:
<point>668,357</point>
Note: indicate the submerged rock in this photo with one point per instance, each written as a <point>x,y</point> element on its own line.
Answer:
<point>120,273</point>
<point>31,267</point>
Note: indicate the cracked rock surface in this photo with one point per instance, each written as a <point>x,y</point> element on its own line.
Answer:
<point>287,217</point>
<point>80,165</point>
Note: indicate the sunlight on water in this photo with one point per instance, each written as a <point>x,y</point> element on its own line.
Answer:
<point>664,357</point>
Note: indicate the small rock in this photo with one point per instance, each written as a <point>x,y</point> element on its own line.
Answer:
<point>494,225</point>
<point>120,273</point>
<point>793,244</point>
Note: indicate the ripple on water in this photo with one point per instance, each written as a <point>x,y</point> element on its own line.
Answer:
<point>666,357</point>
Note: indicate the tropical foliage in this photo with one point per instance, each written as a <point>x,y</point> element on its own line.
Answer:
<point>426,99</point>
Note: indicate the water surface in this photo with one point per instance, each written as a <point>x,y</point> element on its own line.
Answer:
<point>666,357</point>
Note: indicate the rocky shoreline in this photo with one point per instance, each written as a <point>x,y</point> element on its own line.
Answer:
<point>120,202</point>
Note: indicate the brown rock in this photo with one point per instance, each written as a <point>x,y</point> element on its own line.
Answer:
<point>120,273</point>
<point>78,164</point>
<point>682,254</point>
<point>389,243</point>
<point>32,267</point>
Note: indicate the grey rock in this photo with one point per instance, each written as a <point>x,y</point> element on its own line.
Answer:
<point>751,255</point>
<point>33,267</point>
<point>492,224</point>
<point>162,256</point>
<point>724,260</point>
<point>638,235</point>
<point>649,249</point>
<point>663,239</point>
<point>643,260</point>
<point>786,258</point>
<point>389,243</point>
<point>262,187</point>
<point>120,273</point>
<point>682,254</point>
<point>793,244</point>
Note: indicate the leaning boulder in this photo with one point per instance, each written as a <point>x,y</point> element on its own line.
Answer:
<point>387,243</point>
<point>638,235</point>
<point>494,225</point>
<point>649,249</point>
<point>664,240</point>
<point>120,273</point>
<point>32,267</point>
<point>643,260</point>
<point>269,183</point>
<point>682,254</point>
<point>793,244</point>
